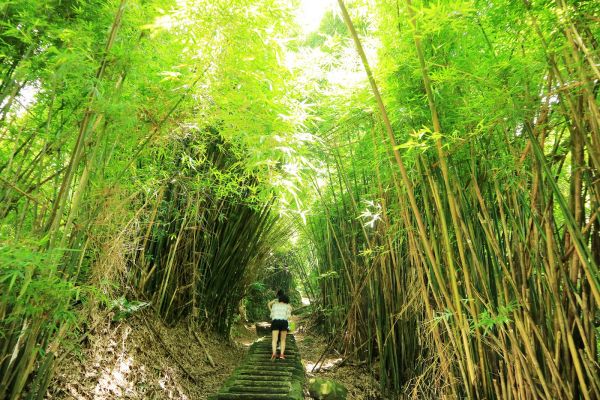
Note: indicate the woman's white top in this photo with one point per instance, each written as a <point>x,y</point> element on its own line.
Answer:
<point>281,311</point>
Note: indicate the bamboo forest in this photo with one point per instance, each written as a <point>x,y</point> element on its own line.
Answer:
<point>418,181</point>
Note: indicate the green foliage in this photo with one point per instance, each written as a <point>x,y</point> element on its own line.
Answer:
<point>326,389</point>
<point>124,308</point>
<point>36,312</point>
<point>33,287</point>
<point>283,272</point>
<point>488,320</point>
<point>255,302</point>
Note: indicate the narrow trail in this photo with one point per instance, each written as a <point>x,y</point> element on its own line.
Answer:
<point>260,378</point>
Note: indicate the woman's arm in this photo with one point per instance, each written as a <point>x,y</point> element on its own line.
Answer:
<point>270,304</point>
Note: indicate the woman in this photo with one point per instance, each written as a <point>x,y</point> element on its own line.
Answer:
<point>281,311</point>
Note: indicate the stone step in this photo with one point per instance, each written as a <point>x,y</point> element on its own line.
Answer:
<point>264,373</point>
<point>274,361</point>
<point>259,383</point>
<point>269,344</point>
<point>258,378</point>
<point>252,396</point>
<point>277,363</point>
<point>269,347</point>
<point>267,357</point>
<point>254,389</point>
<point>261,378</point>
<point>282,368</point>
<point>262,355</point>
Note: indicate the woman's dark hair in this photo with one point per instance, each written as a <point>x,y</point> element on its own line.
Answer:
<point>284,298</point>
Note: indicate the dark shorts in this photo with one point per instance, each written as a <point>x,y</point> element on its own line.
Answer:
<point>279,325</point>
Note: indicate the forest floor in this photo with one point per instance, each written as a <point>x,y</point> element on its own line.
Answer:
<point>140,358</point>
<point>126,360</point>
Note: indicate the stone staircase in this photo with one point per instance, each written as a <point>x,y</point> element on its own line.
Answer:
<point>260,378</point>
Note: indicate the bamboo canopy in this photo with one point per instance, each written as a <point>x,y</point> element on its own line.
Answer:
<point>430,170</point>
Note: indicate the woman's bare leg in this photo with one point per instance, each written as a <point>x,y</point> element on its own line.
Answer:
<point>282,344</point>
<point>275,335</point>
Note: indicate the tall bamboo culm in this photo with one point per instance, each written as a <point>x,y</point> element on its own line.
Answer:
<point>486,287</point>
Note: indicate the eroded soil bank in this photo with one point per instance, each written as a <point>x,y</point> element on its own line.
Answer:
<point>140,358</point>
